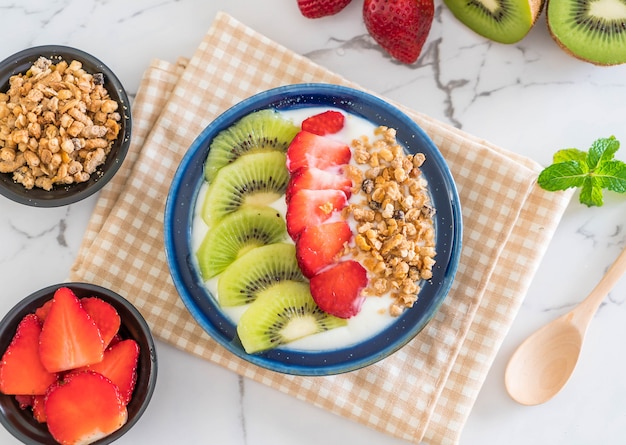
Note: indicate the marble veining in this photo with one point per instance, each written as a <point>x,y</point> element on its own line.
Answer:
<point>529,97</point>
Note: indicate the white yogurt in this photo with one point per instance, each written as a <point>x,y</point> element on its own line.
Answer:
<point>374,315</point>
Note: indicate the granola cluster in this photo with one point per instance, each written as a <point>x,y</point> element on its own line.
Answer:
<point>57,124</point>
<point>395,237</point>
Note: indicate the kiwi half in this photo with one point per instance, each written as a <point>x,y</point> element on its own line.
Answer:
<point>236,234</point>
<point>254,179</point>
<point>258,271</point>
<point>286,314</point>
<point>503,21</point>
<point>261,131</point>
<point>593,31</point>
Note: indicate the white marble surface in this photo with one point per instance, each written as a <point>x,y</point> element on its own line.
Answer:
<point>530,98</point>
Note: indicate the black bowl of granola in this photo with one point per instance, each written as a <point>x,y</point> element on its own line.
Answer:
<point>65,125</point>
<point>256,303</point>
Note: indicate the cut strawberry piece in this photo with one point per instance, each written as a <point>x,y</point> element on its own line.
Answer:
<point>42,311</point>
<point>120,366</point>
<point>314,9</point>
<point>320,246</point>
<point>83,408</point>
<point>104,314</point>
<point>25,401</point>
<point>337,290</point>
<point>312,207</point>
<point>69,338</point>
<point>328,122</point>
<point>21,370</point>
<point>39,413</point>
<point>311,150</point>
<point>317,179</point>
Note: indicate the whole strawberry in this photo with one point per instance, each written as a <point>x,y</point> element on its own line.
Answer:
<point>399,26</point>
<point>314,9</point>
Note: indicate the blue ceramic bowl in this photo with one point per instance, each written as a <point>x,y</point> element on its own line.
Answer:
<point>179,213</point>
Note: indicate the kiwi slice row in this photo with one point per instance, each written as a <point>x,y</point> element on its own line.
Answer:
<point>286,314</point>
<point>243,248</point>
<point>236,234</point>
<point>257,272</point>
<point>261,131</point>
<point>590,30</point>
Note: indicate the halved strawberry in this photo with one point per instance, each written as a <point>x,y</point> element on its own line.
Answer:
<point>311,150</point>
<point>337,290</point>
<point>25,401</point>
<point>69,337</point>
<point>314,9</point>
<point>327,122</point>
<point>317,179</point>
<point>39,412</point>
<point>21,370</point>
<point>105,315</point>
<point>319,246</point>
<point>42,311</point>
<point>83,408</point>
<point>120,366</point>
<point>312,207</point>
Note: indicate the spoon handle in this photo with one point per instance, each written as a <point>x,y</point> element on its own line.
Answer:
<point>588,307</point>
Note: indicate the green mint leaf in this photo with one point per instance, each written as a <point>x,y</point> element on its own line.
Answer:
<point>592,171</point>
<point>570,154</point>
<point>562,176</point>
<point>611,175</point>
<point>591,193</point>
<point>602,150</point>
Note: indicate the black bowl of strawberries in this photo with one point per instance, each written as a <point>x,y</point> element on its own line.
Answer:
<point>78,366</point>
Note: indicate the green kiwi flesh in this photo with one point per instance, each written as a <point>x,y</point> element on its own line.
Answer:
<point>261,131</point>
<point>286,314</point>
<point>253,179</point>
<point>256,272</point>
<point>503,21</point>
<point>236,234</point>
<point>594,31</point>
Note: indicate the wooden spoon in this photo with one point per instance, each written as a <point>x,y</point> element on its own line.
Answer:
<point>541,366</point>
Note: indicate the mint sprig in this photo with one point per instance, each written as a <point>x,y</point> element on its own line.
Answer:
<point>592,171</point>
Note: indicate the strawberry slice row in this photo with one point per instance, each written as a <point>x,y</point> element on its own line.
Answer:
<point>69,364</point>
<point>317,192</point>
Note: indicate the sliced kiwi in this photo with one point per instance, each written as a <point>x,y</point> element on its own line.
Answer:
<point>264,130</point>
<point>258,271</point>
<point>236,234</point>
<point>594,31</point>
<point>255,179</point>
<point>504,21</point>
<point>286,314</point>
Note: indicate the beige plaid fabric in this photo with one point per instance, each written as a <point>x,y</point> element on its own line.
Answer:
<point>425,391</point>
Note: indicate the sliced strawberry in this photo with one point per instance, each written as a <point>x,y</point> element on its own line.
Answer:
<point>337,290</point>
<point>42,311</point>
<point>104,314</point>
<point>120,366</point>
<point>317,179</point>
<point>69,338</point>
<point>83,408</point>
<point>327,122</point>
<point>314,9</point>
<point>312,207</point>
<point>25,401</point>
<point>21,370</point>
<point>319,246</point>
<point>311,150</point>
<point>39,412</point>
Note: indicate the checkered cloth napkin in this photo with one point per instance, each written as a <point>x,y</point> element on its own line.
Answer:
<point>425,391</point>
